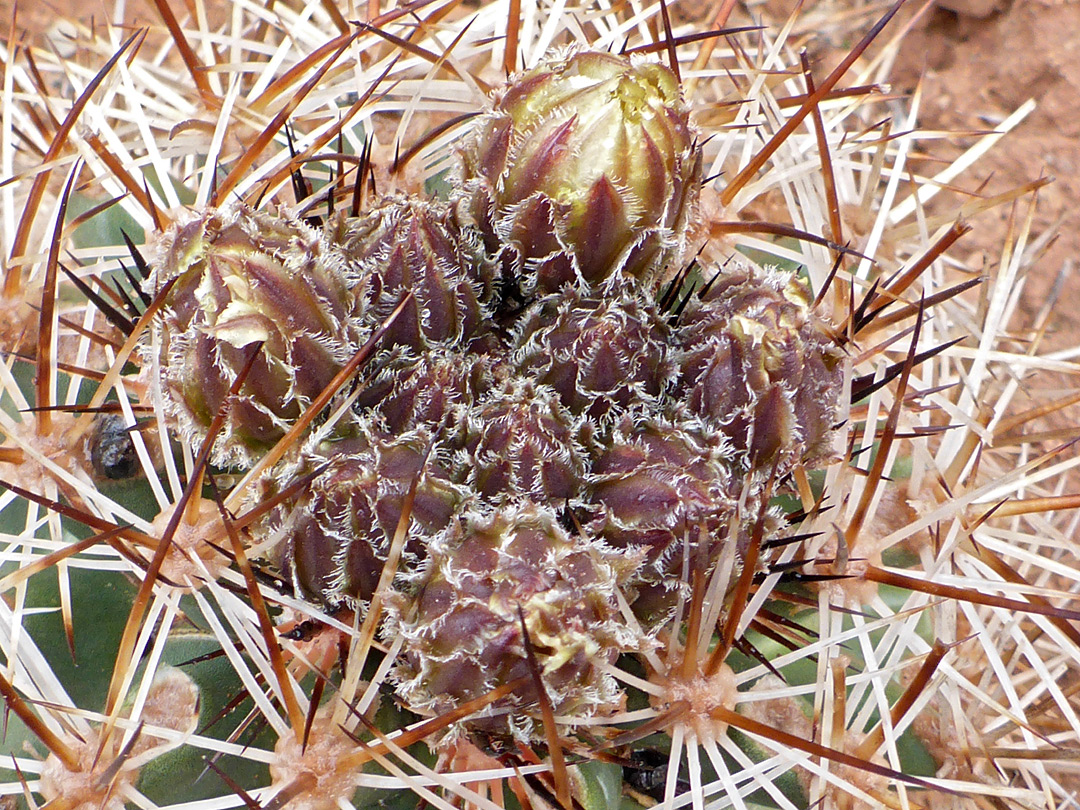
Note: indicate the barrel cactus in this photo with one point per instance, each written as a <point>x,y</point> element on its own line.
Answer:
<point>651,479</point>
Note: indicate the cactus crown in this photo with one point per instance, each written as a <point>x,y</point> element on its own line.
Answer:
<point>533,469</point>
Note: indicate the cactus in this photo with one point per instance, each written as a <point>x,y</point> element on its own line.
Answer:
<point>587,166</point>
<point>418,246</point>
<point>581,501</point>
<point>489,580</point>
<point>240,281</point>
<point>757,364</point>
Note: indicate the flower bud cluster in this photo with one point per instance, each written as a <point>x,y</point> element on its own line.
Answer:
<point>534,438</point>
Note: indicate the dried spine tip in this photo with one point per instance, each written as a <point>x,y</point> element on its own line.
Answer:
<point>110,448</point>
<point>587,166</point>
<point>245,279</point>
<point>463,636</point>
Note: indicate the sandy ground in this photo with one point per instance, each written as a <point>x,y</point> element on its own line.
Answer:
<point>978,69</point>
